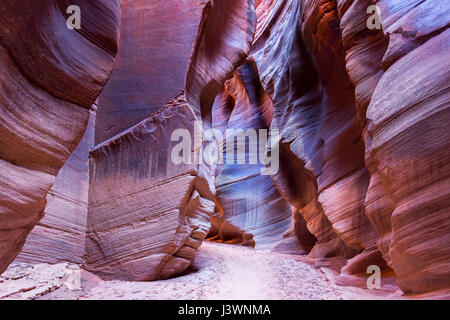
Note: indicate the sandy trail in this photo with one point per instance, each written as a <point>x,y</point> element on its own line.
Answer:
<point>231,272</point>
<point>219,271</point>
<point>250,274</point>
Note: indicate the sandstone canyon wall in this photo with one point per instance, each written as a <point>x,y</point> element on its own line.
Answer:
<point>148,215</point>
<point>359,109</point>
<point>356,111</point>
<point>50,77</point>
<point>60,235</point>
<point>362,113</point>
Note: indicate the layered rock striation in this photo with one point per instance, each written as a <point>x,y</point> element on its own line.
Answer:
<point>361,110</point>
<point>60,235</point>
<point>50,77</point>
<point>246,196</point>
<point>358,110</point>
<point>148,214</point>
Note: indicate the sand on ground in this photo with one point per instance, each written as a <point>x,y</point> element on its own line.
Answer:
<point>219,271</point>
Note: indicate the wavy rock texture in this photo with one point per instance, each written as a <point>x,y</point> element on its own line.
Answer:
<point>364,52</point>
<point>60,235</point>
<point>363,118</point>
<point>407,144</point>
<point>248,199</point>
<point>361,114</point>
<point>50,78</point>
<point>131,237</point>
<point>202,43</point>
<point>146,215</point>
<point>401,86</point>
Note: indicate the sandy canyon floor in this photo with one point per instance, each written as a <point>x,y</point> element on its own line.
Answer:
<point>220,271</point>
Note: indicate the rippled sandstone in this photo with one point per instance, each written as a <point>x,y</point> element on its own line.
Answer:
<point>50,77</point>
<point>364,143</point>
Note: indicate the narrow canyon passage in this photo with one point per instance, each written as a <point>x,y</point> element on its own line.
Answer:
<point>224,149</point>
<point>219,271</point>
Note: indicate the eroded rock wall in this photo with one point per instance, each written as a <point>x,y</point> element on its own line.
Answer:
<point>50,77</point>
<point>322,171</point>
<point>157,40</point>
<point>361,113</point>
<point>60,235</point>
<point>147,214</point>
<point>247,197</point>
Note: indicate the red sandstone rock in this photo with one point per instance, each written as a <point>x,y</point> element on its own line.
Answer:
<point>410,144</point>
<point>60,235</point>
<point>147,215</point>
<point>205,43</point>
<point>404,88</point>
<point>157,40</point>
<point>370,177</point>
<point>363,117</point>
<point>168,47</point>
<point>50,77</point>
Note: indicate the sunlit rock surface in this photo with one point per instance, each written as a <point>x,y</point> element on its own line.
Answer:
<point>50,77</point>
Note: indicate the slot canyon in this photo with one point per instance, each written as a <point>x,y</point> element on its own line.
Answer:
<point>358,123</point>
